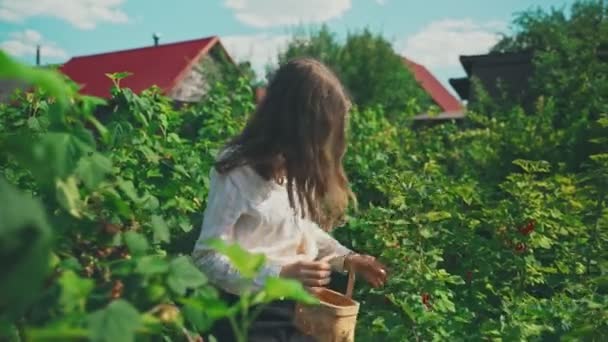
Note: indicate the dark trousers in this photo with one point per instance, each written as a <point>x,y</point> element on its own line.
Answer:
<point>275,322</point>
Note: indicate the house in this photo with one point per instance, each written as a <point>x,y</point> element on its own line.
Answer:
<point>450,108</point>
<point>184,71</point>
<point>501,75</point>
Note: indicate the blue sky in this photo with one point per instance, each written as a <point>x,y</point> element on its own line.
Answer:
<point>431,32</point>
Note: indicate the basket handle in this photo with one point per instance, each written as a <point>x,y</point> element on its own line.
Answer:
<point>350,285</point>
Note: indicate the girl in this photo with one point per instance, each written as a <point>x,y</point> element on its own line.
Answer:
<point>277,188</point>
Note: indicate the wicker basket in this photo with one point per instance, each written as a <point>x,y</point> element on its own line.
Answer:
<point>334,320</point>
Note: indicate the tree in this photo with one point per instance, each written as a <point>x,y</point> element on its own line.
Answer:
<point>367,65</point>
<point>571,64</point>
<point>570,55</point>
<point>248,72</point>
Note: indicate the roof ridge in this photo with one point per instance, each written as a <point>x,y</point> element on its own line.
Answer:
<point>144,47</point>
<point>411,61</point>
<point>438,93</point>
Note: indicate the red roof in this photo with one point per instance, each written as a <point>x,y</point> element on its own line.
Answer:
<point>440,95</point>
<point>163,65</point>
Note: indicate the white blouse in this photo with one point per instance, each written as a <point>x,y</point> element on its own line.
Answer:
<point>245,208</point>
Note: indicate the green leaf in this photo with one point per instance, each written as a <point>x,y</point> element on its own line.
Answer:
<point>184,275</point>
<point>201,310</point>
<point>103,131</point>
<point>160,229</point>
<point>25,240</point>
<point>128,189</point>
<point>152,325</point>
<point>278,288</point>
<point>151,264</point>
<point>52,155</point>
<point>69,196</point>
<point>89,104</point>
<point>530,166</point>
<point>33,124</point>
<point>117,76</point>
<point>74,291</point>
<point>136,243</point>
<point>407,310</point>
<point>116,323</point>
<point>92,169</point>
<point>425,233</point>
<point>544,242</point>
<point>379,324</point>
<point>150,203</point>
<point>56,331</point>
<point>180,168</point>
<point>197,316</point>
<point>434,216</point>
<point>150,155</point>
<point>184,225</point>
<point>246,263</point>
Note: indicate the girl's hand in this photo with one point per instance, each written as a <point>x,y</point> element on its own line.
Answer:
<point>366,265</point>
<point>309,273</point>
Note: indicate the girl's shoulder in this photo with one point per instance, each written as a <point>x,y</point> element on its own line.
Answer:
<point>246,181</point>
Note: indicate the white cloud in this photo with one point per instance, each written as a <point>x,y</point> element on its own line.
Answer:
<point>21,44</point>
<point>83,14</point>
<point>440,43</point>
<point>381,2</point>
<point>267,13</point>
<point>259,49</point>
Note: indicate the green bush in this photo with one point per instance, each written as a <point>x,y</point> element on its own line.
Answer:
<point>489,232</point>
<point>571,63</point>
<point>98,219</point>
<point>478,249</point>
<point>486,239</point>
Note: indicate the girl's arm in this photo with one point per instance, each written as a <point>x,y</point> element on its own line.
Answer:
<point>221,272</point>
<point>330,248</point>
<point>224,207</point>
<point>373,271</point>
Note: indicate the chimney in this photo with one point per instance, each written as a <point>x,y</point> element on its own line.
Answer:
<point>156,37</point>
<point>37,55</point>
<point>260,93</point>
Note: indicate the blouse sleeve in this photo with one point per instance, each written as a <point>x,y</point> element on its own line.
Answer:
<point>329,247</point>
<point>224,207</point>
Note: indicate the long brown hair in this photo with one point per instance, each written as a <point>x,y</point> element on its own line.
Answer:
<point>297,134</point>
